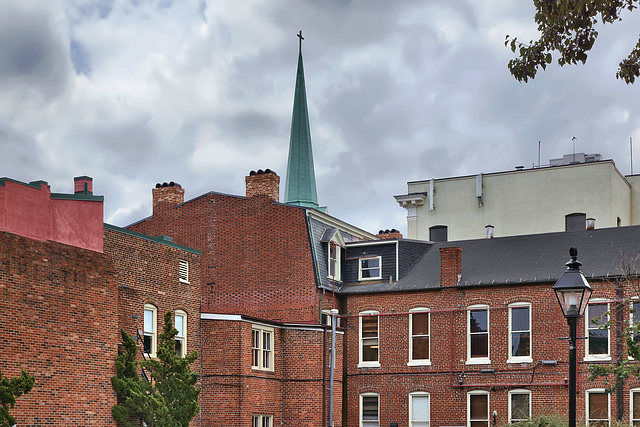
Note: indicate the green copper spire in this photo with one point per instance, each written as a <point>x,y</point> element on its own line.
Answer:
<point>301,179</point>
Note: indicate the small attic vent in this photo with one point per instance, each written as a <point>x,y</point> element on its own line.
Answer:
<point>183,271</point>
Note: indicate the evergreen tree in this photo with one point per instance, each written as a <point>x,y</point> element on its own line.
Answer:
<point>170,398</point>
<point>10,389</point>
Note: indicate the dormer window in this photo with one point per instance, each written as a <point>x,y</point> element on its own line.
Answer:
<point>335,254</point>
<point>370,268</point>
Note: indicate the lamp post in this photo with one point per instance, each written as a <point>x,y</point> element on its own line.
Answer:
<point>573,292</point>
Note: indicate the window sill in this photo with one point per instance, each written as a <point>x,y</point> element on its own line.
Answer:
<point>520,360</point>
<point>419,363</point>
<point>255,368</point>
<point>368,279</point>
<point>184,281</point>
<point>369,365</point>
<point>603,358</point>
<point>478,362</point>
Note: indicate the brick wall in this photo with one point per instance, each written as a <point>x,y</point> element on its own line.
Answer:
<point>449,378</point>
<point>292,393</point>
<point>256,255</point>
<point>58,317</point>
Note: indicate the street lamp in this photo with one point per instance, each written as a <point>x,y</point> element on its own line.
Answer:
<point>573,292</point>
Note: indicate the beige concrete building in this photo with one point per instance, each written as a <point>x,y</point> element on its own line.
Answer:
<point>562,196</point>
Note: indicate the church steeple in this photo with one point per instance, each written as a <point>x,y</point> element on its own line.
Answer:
<point>300,187</point>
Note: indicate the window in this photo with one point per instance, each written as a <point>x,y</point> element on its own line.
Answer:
<point>335,252</point>
<point>478,409</point>
<point>634,320</point>
<point>438,233</point>
<point>262,348</point>
<point>419,337</point>
<point>634,407</point>
<point>419,412</point>
<point>519,405</point>
<point>370,268</point>
<point>369,410</point>
<point>181,337</point>
<point>478,334</point>
<point>183,271</point>
<point>150,331</point>
<point>520,332</point>
<point>597,345</point>
<point>575,222</point>
<point>597,407</point>
<point>262,421</point>
<point>369,339</point>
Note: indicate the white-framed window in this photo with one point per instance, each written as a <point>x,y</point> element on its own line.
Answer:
<point>369,410</point>
<point>419,337</point>
<point>598,407</point>
<point>519,405</point>
<point>183,271</point>
<point>597,343</point>
<point>634,318</point>
<point>370,268</point>
<point>369,342</point>
<point>333,266</point>
<point>419,409</point>
<point>634,407</point>
<point>478,335</point>
<point>478,409</point>
<point>262,348</point>
<point>520,332</point>
<point>181,338</point>
<point>150,329</point>
<point>260,420</point>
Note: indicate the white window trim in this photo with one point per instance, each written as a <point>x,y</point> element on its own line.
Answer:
<point>361,407</point>
<point>260,419</point>
<point>478,360</point>
<point>183,314</point>
<point>337,276</point>
<point>418,362</point>
<point>586,404</point>
<point>520,359</point>
<point>632,300</point>
<point>631,414</point>
<point>154,332</point>
<point>518,391</point>
<point>421,394</point>
<point>378,277</point>
<point>183,266</point>
<point>477,392</point>
<point>361,363</point>
<point>596,357</point>
<point>261,329</point>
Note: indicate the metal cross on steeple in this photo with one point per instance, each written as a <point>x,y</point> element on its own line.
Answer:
<point>301,38</point>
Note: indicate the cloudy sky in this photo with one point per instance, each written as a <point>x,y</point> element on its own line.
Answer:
<point>135,92</point>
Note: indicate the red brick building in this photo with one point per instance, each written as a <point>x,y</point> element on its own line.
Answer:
<point>67,283</point>
<point>265,298</point>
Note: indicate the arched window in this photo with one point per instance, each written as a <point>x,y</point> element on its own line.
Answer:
<point>181,337</point>
<point>150,329</point>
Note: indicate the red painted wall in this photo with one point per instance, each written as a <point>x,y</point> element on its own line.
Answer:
<point>31,212</point>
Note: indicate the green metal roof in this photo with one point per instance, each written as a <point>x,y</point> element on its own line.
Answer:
<point>300,186</point>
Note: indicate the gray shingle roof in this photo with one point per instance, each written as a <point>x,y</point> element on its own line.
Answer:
<point>522,259</point>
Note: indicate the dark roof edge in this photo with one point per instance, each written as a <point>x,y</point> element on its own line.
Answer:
<point>159,239</point>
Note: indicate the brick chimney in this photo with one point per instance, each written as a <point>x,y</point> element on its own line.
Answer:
<point>166,196</point>
<point>450,266</point>
<point>389,234</point>
<point>83,184</point>
<point>263,183</point>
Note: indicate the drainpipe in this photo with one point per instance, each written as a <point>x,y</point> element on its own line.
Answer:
<point>334,313</point>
